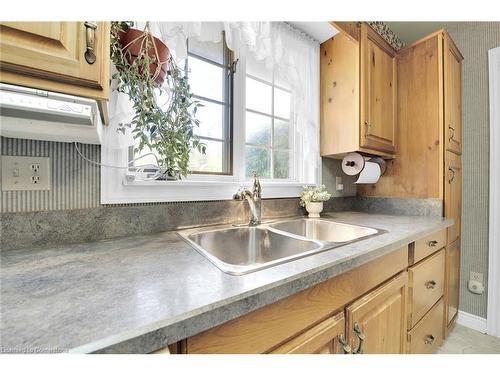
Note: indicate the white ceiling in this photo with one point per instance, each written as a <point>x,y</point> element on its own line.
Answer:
<point>409,32</point>
<point>320,31</point>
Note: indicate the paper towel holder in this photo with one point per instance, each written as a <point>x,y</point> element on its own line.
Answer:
<point>353,163</point>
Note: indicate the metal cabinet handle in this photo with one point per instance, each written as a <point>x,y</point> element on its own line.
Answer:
<point>429,339</point>
<point>89,55</point>
<point>451,132</point>
<point>345,346</point>
<point>430,284</point>
<point>361,339</point>
<point>452,177</point>
<point>433,243</point>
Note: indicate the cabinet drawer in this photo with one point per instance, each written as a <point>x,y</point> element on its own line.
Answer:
<point>429,244</point>
<point>426,280</point>
<point>427,335</point>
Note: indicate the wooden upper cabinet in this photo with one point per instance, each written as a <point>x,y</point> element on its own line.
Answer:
<point>453,194</point>
<point>325,338</point>
<point>453,96</point>
<point>378,320</point>
<point>358,93</point>
<point>52,56</point>
<point>378,92</point>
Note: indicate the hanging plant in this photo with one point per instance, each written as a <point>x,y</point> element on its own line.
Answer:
<point>146,72</point>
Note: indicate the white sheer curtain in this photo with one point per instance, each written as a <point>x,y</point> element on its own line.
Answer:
<point>293,55</point>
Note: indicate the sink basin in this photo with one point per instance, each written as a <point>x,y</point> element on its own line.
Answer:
<point>324,230</point>
<point>241,250</point>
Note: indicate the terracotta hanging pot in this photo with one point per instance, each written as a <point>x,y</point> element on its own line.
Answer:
<point>133,40</point>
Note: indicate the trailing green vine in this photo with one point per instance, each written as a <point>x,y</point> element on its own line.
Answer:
<point>166,130</point>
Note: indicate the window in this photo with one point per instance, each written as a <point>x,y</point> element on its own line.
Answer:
<point>268,127</point>
<point>209,67</point>
<point>251,119</point>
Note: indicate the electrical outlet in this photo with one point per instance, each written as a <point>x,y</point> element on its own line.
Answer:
<point>25,173</point>
<point>476,276</point>
<point>35,167</point>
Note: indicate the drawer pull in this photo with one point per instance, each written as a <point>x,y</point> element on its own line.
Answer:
<point>429,339</point>
<point>451,132</point>
<point>433,243</point>
<point>89,54</point>
<point>452,175</point>
<point>345,347</point>
<point>430,284</point>
<point>361,338</point>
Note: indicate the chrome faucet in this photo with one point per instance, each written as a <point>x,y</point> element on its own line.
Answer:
<point>253,198</point>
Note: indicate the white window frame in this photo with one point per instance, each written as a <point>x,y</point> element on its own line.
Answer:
<point>116,189</point>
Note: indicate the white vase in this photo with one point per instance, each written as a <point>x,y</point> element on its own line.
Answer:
<point>314,208</point>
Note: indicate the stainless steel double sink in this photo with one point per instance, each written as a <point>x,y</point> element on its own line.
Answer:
<point>240,250</point>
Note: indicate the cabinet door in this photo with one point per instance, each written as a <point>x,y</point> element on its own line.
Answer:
<point>452,280</point>
<point>453,96</point>
<point>376,323</point>
<point>51,56</point>
<point>378,92</point>
<point>453,194</point>
<point>324,338</point>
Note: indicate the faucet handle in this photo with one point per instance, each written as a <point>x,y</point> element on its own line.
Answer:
<point>257,190</point>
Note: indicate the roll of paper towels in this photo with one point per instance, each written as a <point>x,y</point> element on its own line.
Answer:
<point>370,173</point>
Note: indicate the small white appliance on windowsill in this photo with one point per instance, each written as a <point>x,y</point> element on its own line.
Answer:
<point>36,114</point>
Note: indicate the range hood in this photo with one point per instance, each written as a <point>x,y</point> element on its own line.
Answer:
<point>36,114</point>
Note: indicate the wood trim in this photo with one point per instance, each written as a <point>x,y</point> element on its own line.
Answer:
<point>266,328</point>
<point>378,40</point>
<point>449,273</point>
<point>452,45</point>
<point>349,29</point>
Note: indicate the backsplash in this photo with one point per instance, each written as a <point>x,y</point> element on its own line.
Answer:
<point>71,211</point>
<point>75,183</point>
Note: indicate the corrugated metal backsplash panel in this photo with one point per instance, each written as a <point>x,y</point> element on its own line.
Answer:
<point>474,39</point>
<point>75,182</point>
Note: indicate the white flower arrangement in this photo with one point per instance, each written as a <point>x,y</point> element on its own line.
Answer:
<point>314,194</point>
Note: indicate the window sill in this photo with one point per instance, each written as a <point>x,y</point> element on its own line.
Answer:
<point>190,190</point>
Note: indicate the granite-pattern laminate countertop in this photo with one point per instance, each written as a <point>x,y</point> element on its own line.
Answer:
<point>140,293</point>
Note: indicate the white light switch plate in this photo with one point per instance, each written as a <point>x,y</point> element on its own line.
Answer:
<point>25,173</point>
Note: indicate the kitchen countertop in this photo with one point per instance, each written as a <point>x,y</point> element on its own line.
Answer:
<point>138,294</point>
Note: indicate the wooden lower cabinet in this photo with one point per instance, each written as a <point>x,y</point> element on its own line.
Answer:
<point>427,335</point>
<point>327,337</point>
<point>362,311</point>
<point>376,323</point>
<point>271,326</point>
